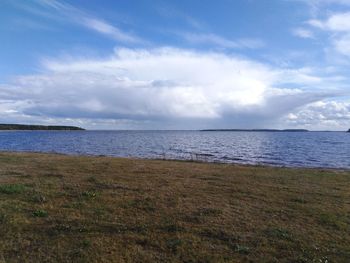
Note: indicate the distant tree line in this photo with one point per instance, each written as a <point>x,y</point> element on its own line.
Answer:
<point>258,130</point>
<point>38,127</point>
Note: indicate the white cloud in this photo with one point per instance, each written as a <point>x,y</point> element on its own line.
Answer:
<point>303,33</point>
<point>338,25</point>
<point>327,2</point>
<point>163,86</point>
<point>322,115</point>
<point>342,45</point>
<point>319,6</point>
<point>339,22</point>
<point>316,23</point>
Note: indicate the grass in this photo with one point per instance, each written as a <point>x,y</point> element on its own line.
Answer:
<point>12,188</point>
<point>56,208</point>
<point>40,213</point>
<point>278,233</point>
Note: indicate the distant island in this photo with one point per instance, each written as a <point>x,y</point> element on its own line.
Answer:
<point>38,127</point>
<point>258,130</point>
<point>349,130</point>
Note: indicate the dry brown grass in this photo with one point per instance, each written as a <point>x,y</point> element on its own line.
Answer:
<point>56,208</point>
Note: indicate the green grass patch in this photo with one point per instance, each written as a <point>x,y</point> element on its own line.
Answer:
<point>12,188</point>
<point>332,220</point>
<point>89,194</point>
<point>242,249</point>
<point>40,213</point>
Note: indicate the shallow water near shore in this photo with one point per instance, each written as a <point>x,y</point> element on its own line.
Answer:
<point>292,149</point>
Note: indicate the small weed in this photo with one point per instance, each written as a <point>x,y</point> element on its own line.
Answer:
<point>89,194</point>
<point>38,198</point>
<point>279,233</point>
<point>242,249</point>
<point>12,189</point>
<point>40,213</point>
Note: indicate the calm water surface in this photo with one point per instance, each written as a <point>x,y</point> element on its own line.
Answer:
<point>295,149</point>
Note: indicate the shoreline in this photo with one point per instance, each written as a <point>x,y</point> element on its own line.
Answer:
<point>183,160</point>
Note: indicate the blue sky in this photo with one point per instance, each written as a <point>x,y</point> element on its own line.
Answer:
<point>157,64</point>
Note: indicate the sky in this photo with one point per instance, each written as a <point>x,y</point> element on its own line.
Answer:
<point>176,64</point>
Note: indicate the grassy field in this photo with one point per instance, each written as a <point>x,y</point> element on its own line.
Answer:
<point>56,208</point>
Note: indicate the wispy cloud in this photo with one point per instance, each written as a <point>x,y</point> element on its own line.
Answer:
<point>222,42</point>
<point>109,30</point>
<point>61,11</point>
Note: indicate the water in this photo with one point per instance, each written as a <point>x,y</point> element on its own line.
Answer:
<point>293,149</point>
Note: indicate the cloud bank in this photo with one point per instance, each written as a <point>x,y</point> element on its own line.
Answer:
<point>167,88</point>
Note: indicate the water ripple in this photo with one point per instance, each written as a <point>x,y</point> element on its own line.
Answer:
<point>294,149</point>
